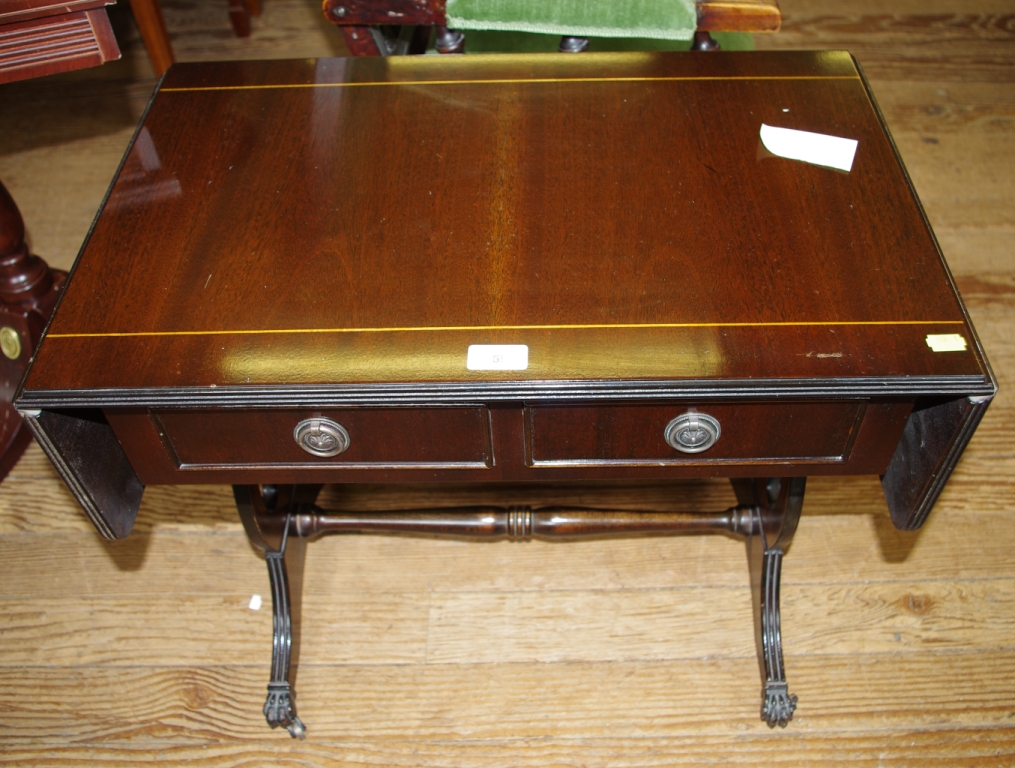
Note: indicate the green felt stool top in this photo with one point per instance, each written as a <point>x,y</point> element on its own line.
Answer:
<point>486,41</point>
<point>656,19</point>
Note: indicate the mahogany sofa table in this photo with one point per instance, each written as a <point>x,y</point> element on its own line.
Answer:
<point>514,270</point>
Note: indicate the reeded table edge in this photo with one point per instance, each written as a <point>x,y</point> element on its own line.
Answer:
<point>470,393</point>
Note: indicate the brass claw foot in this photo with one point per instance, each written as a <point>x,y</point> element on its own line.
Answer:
<point>279,710</point>
<point>777,705</point>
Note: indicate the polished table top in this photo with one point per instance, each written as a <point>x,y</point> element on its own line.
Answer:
<point>343,221</point>
<point>339,232</point>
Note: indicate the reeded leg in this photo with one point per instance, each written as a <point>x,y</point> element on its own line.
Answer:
<point>280,707</point>
<point>777,703</point>
<point>266,512</point>
<point>777,511</point>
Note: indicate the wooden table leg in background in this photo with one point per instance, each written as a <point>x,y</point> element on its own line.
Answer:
<point>360,41</point>
<point>148,16</point>
<point>240,12</point>
<point>28,293</point>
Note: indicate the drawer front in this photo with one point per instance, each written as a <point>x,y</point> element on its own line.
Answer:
<point>377,438</point>
<point>626,435</point>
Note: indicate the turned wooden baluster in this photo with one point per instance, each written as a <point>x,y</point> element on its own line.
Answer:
<point>519,523</point>
<point>28,293</point>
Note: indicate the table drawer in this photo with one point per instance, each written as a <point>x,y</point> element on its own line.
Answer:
<point>377,437</point>
<point>627,435</point>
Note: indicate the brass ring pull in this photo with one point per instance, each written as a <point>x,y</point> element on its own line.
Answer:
<point>321,437</point>
<point>692,432</point>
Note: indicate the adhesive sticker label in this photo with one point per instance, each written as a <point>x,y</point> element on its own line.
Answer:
<point>814,148</point>
<point>946,342</point>
<point>497,357</point>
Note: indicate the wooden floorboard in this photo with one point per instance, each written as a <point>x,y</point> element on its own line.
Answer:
<point>608,653</point>
<point>851,694</point>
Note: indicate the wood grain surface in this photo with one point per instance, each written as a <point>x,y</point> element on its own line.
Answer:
<point>623,653</point>
<point>599,209</point>
<point>746,15</point>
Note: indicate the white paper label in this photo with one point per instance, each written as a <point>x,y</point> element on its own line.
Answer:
<point>497,357</point>
<point>814,148</point>
<point>946,342</point>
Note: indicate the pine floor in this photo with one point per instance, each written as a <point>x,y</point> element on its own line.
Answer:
<point>901,647</point>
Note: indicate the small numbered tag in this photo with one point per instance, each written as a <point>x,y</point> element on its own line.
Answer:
<point>814,148</point>
<point>946,342</point>
<point>497,357</point>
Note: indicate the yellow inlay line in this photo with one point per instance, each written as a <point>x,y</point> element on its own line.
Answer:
<point>509,81</point>
<point>425,328</point>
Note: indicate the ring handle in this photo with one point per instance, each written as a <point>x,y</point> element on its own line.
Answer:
<point>321,437</point>
<point>692,432</point>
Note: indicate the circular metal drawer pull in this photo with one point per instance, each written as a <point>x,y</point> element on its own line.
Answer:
<point>692,433</point>
<point>321,437</point>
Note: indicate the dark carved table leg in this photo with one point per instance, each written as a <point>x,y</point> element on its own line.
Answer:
<point>767,538</point>
<point>280,519</point>
<point>266,512</point>
<point>28,292</point>
<point>280,707</point>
